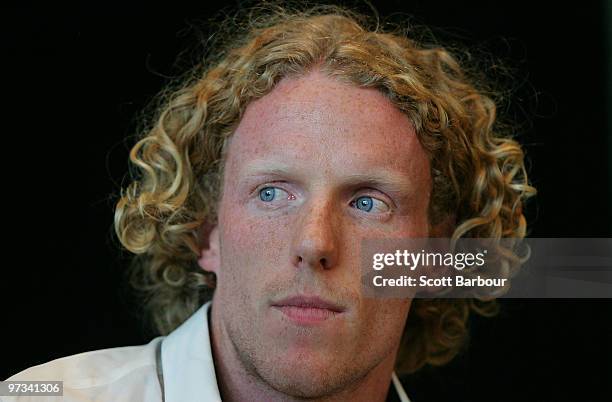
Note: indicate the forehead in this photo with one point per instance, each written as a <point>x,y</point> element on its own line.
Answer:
<point>317,119</point>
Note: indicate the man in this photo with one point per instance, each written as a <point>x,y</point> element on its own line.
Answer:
<point>260,178</point>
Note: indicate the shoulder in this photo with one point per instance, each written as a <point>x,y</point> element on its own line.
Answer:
<point>100,371</point>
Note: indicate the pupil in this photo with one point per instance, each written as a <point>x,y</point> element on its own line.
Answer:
<point>267,194</point>
<point>365,203</point>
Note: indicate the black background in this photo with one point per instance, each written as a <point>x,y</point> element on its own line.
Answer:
<point>76,77</point>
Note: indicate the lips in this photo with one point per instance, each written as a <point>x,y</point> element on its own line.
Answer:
<point>308,309</point>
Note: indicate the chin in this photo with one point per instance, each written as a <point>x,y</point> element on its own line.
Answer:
<point>308,381</point>
<point>308,374</point>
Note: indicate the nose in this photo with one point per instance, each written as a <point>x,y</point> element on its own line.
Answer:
<point>315,242</point>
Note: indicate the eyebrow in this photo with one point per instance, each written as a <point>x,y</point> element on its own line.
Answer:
<point>260,167</point>
<point>389,180</point>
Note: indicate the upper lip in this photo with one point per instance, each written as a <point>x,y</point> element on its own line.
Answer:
<point>308,301</point>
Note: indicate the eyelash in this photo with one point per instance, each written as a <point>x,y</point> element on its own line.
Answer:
<point>258,189</point>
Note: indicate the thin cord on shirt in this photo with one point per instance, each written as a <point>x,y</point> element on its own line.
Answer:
<point>399,388</point>
<point>160,373</point>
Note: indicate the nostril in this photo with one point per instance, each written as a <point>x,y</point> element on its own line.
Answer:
<point>323,261</point>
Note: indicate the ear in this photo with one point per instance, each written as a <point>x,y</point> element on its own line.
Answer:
<point>209,253</point>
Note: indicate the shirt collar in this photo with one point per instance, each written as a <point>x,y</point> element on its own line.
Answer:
<point>188,367</point>
<point>189,370</point>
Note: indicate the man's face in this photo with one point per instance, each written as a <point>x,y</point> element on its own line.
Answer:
<point>313,168</point>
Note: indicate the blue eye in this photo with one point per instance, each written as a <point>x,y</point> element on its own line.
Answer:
<point>364,203</point>
<point>370,204</point>
<point>267,194</point>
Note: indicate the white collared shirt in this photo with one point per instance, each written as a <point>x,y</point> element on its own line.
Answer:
<point>130,374</point>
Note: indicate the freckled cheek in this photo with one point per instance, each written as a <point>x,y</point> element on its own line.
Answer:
<point>418,227</point>
<point>414,222</point>
<point>252,242</point>
<point>382,319</point>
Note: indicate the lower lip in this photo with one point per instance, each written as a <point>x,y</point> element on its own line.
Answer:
<point>308,315</point>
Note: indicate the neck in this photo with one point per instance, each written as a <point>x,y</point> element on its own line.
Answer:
<point>237,383</point>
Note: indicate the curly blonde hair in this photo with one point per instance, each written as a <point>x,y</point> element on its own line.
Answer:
<point>477,169</point>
